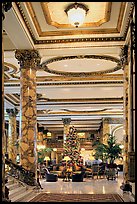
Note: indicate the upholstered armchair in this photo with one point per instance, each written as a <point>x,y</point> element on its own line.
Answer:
<point>78,177</point>
<point>51,177</point>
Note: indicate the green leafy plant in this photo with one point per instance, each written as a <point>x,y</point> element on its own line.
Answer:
<point>42,154</point>
<point>109,151</point>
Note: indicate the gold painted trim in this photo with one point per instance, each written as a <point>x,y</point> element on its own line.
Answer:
<point>8,66</point>
<point>81,74</point>
<point>60,33</point>
<point>66,83</point>
<point>48,19</point>
<point>121,14</point>
<point>77,39</point>
<point>62,78</point>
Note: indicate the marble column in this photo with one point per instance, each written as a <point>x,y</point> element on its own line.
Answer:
<point>125,67</point>
<point>106,130</point>
<point>12,135</point>
<point>66,122</point>
<point>40,136</point>
<point>28,60</point>
<point>57,157</point>
<point>6,6</point>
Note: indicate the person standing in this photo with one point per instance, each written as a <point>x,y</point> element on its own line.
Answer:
<point>38,178</point>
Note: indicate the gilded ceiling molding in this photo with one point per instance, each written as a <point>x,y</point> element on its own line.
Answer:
<point>129,17</point>
<point>10,101</point>
<point>81,112</point>
<point>62,78</point>
<point>48,18</point>
<point>10,68</point>
<point>70,33</point>
<point>69,83</point>
<point>75,111</point>
<point>81,74</point>
<point>87,99</point>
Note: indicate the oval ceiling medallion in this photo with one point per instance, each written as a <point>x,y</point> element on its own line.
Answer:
<point>81,65</point>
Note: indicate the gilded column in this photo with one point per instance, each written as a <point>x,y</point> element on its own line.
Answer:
<point>66,122</point>
<point>106,130</point>
<point>6,6</point>
<point>125,67</point>
<point>28,60</point>
<point>40,136</point>
<point>12,134</point>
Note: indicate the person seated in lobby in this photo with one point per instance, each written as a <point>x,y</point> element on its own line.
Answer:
<point>96,161</point>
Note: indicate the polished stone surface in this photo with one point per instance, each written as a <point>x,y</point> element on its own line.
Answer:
<point>88,186</point>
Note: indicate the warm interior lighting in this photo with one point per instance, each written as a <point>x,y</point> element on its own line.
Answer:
<point>82,149</point>
<point>76,14</point>
<point>54,149</point>
<point>40,147</point>
<point>66,158</point>
<point>47,158</point>
<point>121,146</point>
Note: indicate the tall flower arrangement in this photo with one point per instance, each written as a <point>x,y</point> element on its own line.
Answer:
<point>72,146</point>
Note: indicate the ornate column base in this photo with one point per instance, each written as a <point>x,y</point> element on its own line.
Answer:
<point>126,187</point>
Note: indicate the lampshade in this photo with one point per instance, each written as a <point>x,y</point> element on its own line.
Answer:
<point>76,14</point>
<point>66,158</point>
<point>40,147</point>
<point>46,158</point>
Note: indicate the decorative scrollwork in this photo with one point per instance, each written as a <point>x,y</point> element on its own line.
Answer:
<point>28,58</point>
<point>81,74</point>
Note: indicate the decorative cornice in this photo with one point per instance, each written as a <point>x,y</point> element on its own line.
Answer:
<point>66,121</point>
<point>100,39</point>
<point>81,74</point>
<point>69,83</point>
<point>28,58</point>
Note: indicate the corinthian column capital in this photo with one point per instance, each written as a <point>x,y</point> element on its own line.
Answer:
<point>12,112</point>
<point>124,56</point>
<point>28,58</point>
<point>66,121</point>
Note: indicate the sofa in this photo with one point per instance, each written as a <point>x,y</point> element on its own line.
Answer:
<point>78,177</point>
<point>51,177</point>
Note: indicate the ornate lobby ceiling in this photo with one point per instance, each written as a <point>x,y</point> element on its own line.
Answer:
<point>79,76</point>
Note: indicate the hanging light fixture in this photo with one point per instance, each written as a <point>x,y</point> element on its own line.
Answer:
<point>76,13</point>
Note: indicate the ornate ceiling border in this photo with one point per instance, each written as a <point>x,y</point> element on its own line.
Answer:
<point>10,68</point>
<point>69,83</point>
<point>48,19</point>
<point>102,39</point>
<point>81,74</point>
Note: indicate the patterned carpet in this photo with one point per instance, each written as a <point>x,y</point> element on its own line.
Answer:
<point>51,197</point>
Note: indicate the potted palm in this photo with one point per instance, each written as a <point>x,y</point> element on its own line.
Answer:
<point>108,152</point>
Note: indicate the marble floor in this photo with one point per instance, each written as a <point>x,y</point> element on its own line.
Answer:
<point>88,186</point>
